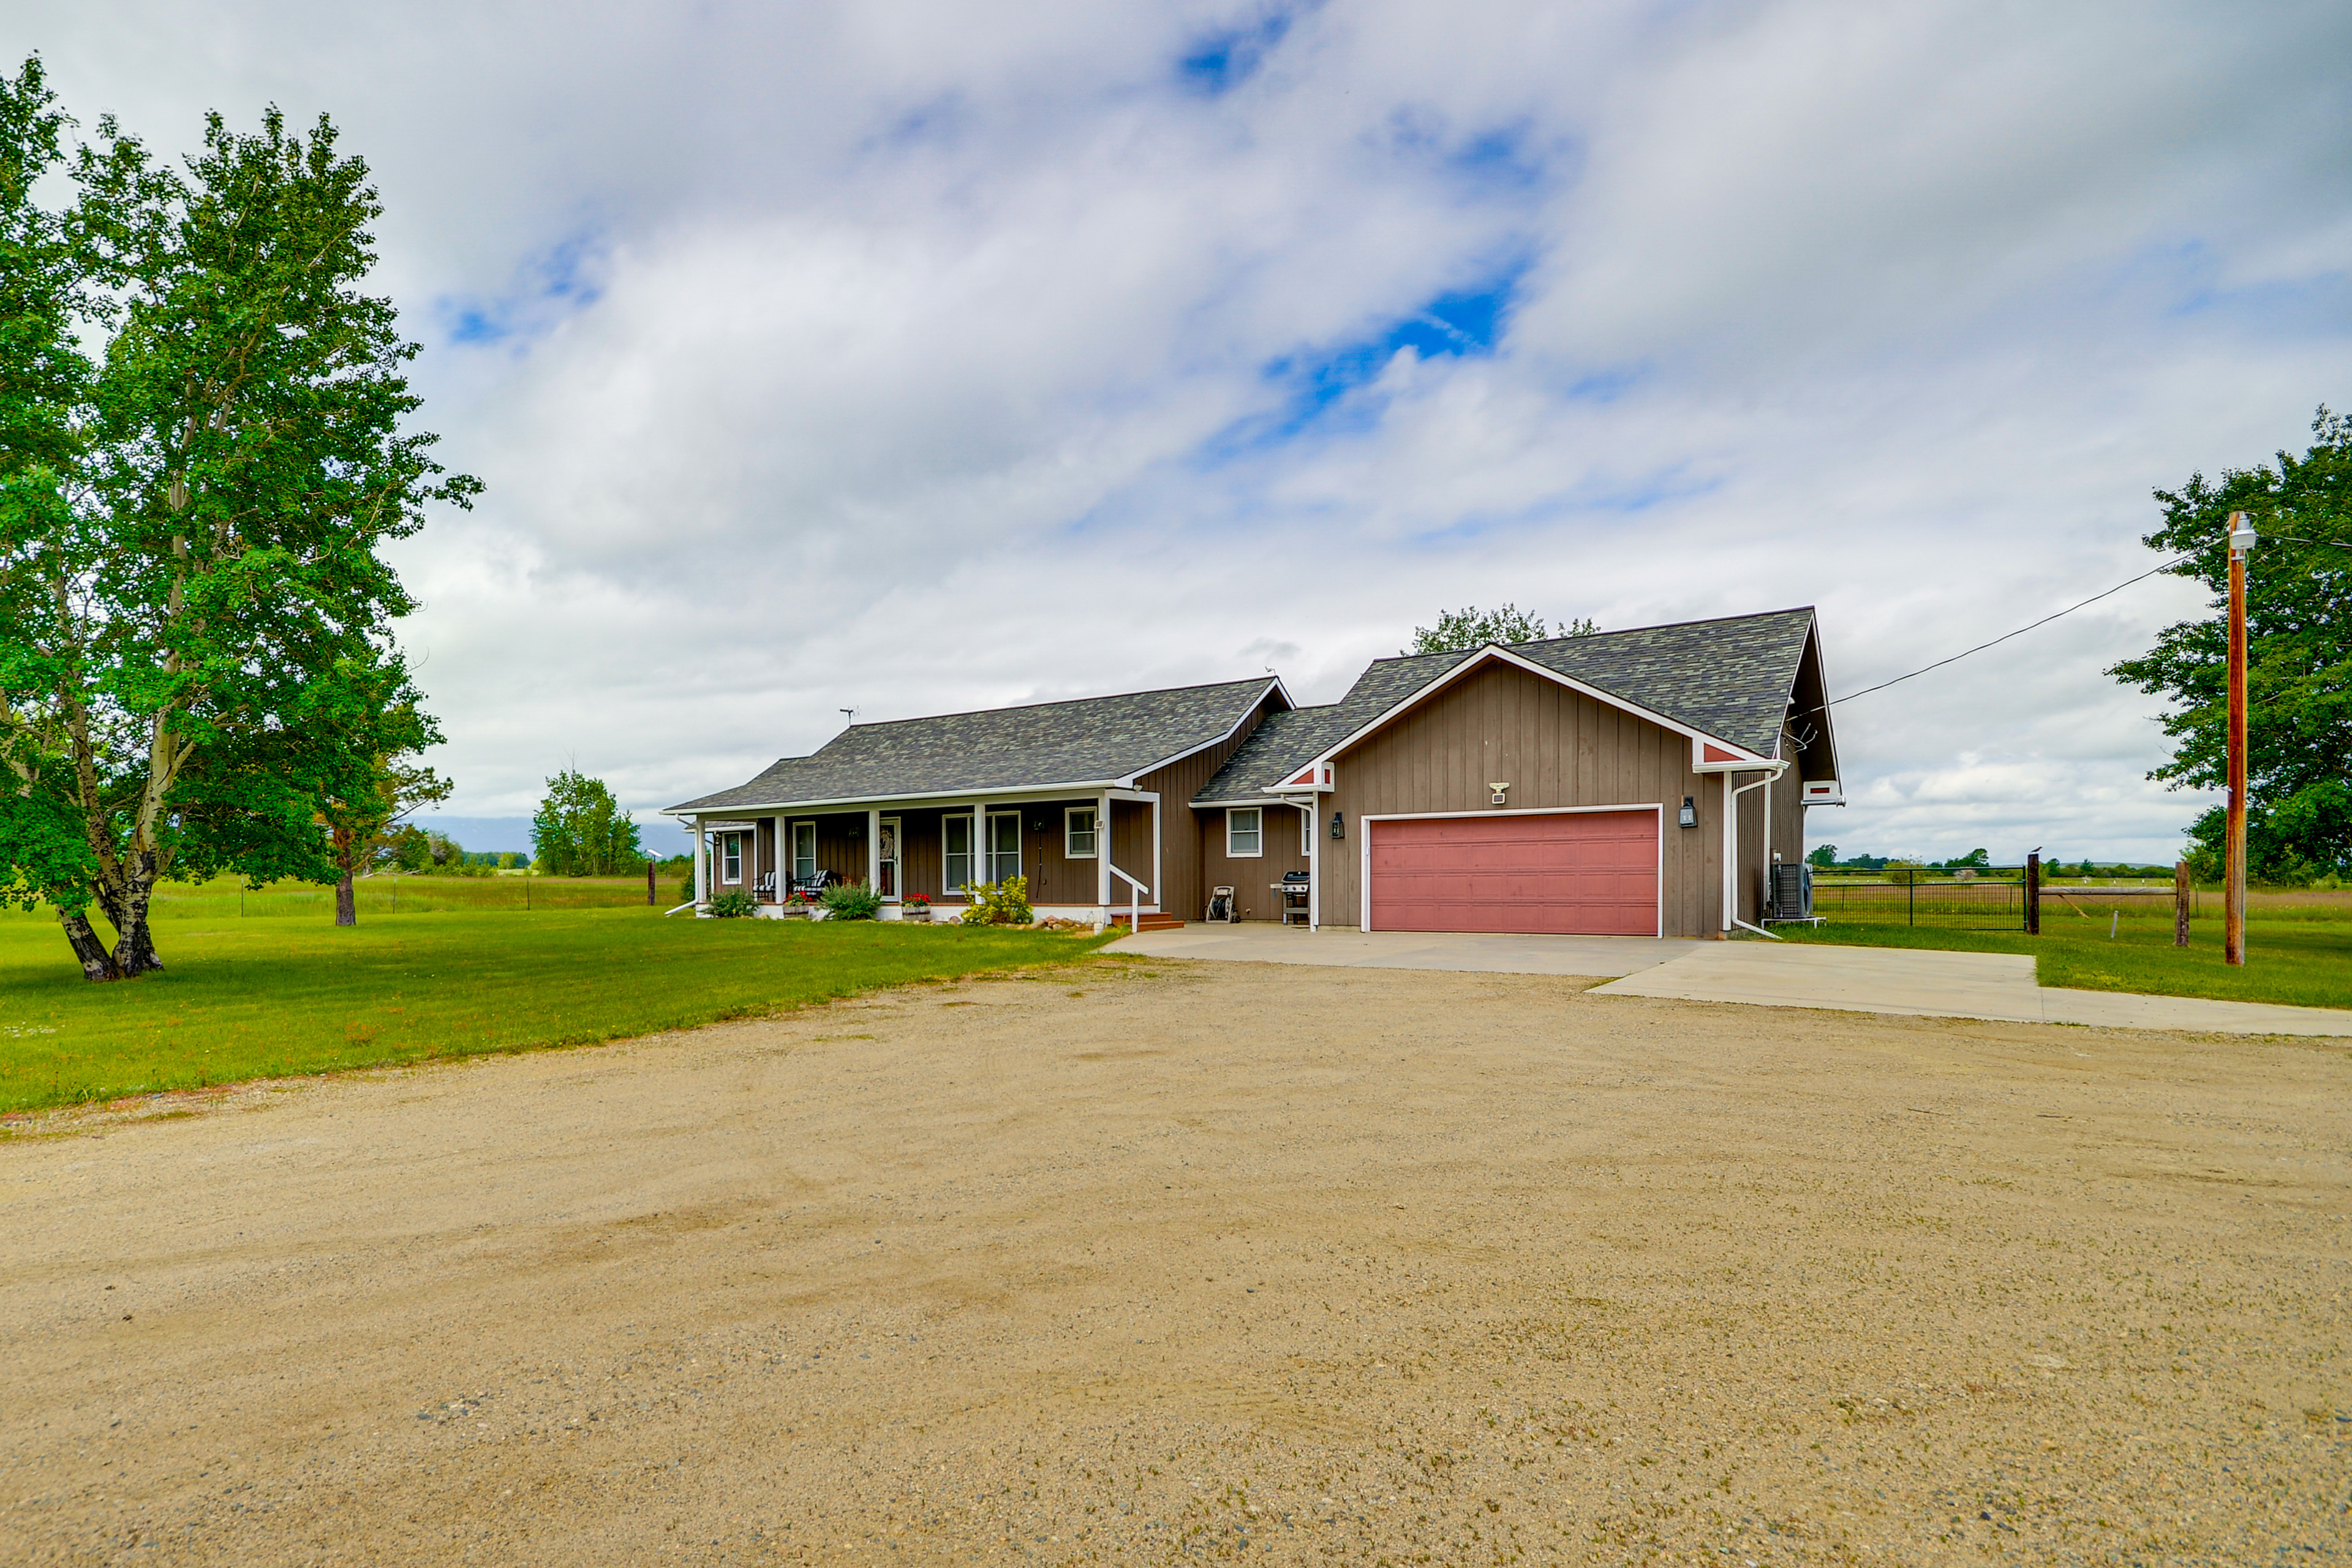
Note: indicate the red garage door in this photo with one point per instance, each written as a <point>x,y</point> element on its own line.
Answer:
<point>1585,873</point>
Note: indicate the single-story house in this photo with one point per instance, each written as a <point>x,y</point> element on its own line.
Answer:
<point>1637,783</point>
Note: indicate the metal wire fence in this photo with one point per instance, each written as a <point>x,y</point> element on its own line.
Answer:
<point>1991,899</point>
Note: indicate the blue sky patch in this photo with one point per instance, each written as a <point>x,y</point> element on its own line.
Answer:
<point>554,283</point>
<point>1224,59</point>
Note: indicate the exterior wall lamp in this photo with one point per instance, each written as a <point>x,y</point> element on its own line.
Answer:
<point>1339,825</point>
<point>1688,816</point>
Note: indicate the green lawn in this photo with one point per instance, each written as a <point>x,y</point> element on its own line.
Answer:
<point>263,996</point>
<point>2299,947</point>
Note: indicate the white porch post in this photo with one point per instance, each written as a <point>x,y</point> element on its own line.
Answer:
<point>784,862</point>
<point>874,847</point>
<point>701,866</point>
<point>1155,847</point>
<point>1102,854</point>
<point>1314,809</point>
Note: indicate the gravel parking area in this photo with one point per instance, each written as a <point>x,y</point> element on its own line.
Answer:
<point>1162,1261</point>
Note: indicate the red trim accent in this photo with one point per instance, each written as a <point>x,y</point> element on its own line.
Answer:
<point>1717,754</point>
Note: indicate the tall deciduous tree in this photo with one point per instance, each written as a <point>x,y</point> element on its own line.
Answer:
<point>1470,627</point>
<point>195,649</point>
<point>579,830</point>
<point>359,826</point>
<point>2298,656</point>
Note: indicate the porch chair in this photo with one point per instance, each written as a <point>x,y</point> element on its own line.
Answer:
<point>766,888</point>
<point>814,885</point>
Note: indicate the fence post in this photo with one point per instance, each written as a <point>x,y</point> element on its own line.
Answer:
<point>649,885</point>
<point>1911,897</point>
<point>2181,888</point>
<point>2034,894</point>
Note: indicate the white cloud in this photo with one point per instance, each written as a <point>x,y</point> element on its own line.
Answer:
<point>908,358</point>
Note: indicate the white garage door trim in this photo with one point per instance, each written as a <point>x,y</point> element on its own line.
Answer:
<point>1366,824</point>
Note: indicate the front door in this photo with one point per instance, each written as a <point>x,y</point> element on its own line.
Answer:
<point>885,853</point>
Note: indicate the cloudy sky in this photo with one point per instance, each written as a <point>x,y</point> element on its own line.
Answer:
<point>910,357</point>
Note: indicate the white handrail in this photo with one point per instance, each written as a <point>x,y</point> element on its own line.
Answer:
<point>1134,902</point>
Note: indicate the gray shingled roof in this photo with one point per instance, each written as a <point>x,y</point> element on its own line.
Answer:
<point>1092,741</point>
<point>1729,679</point>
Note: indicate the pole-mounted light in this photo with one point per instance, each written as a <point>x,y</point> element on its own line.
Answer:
<point>2241,533</point>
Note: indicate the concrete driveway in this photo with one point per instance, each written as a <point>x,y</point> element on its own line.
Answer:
<point>1260,941</point>
<point>1768,974</point>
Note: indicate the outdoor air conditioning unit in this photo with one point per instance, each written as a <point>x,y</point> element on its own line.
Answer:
<point>1823,792</point>
<point>1788,891</point>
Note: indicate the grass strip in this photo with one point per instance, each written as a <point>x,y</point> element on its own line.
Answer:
<point>2299,955</point>
<point>242,999</point>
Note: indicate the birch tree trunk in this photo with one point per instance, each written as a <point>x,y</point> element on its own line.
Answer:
<point>97,964</point>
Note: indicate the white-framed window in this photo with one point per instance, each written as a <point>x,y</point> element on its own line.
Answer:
<point>955,853</point>
<point>1307,830</point>
<point>730,858</point>
<point>1246,832</point>
<point>1078,832</point>
<point>803,851</point>
<point>1003,846</point>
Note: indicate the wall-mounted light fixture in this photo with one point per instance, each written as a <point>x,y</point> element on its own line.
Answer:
<point>1688,816</point>
<point>1501,790</point>
<point>1339,827</point>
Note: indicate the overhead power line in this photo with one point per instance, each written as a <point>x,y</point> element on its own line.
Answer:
<point>2018,632</point>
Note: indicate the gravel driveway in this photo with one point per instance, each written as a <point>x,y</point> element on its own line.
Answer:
<point>1180,1262</point>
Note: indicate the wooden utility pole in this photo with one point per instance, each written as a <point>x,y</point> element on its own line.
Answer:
<point>2233,905</point>
<point>2033,894</point>
<point>649,884</point>
<point>2180,892</point>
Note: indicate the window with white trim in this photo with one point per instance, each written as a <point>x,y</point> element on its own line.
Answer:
<point>804,852</point>
<point>1078,833</point>
<point>1246,832</point>
<point>1003,846</point>
<point>730,858</point>
<point>1307,830</point>
<point>955,853</point>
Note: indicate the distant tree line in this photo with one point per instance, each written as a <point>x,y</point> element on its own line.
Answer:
<point>1825,858</point>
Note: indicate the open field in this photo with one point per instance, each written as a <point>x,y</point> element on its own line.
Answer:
<point>226,897</point>
<point>253,997</point>
<point>1162,1262</point>
<point>2298,945</point>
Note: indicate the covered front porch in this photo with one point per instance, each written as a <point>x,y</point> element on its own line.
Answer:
<point>1086,857</point>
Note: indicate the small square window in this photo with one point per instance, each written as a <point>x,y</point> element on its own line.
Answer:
<point>1078,833</point>
<point>1246,832</point>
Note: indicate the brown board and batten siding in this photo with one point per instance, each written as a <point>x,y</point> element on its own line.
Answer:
<point>1130,850</point>
<point>1176,783</point>
<point>1252,880</point>
<point>1555,747</point>
<point>1054,877</point>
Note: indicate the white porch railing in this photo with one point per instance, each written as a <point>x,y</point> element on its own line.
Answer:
<point>1134,901</point>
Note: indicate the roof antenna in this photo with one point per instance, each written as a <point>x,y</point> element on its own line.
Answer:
<point>849,713</point>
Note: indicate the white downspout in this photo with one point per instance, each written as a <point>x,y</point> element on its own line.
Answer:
<point>1731,843</point>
